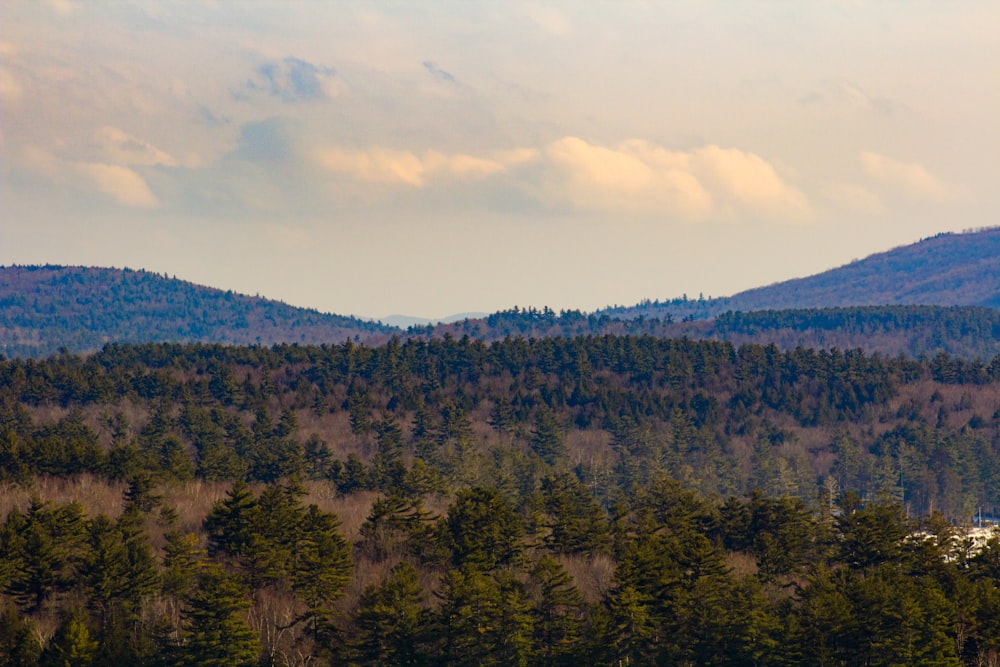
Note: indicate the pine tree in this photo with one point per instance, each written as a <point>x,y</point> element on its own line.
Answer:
<point>390,620</point>
<point>18,645</point>
<point>72,645</point>
<point>215,627</point>
<point>556,613</point>
<point>320,567</point>
<point>547,436</point>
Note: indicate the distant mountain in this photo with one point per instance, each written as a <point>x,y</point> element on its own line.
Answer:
<point>404,321</point>
<point>945,270</point>
<point>45,308</point>
<point>938,295</point>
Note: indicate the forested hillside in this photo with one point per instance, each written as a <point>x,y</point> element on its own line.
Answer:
<point>969,332</point>
<point>935,296</point>
<point>46,308</point>
<point>944,270</point>
<point>592,499</point>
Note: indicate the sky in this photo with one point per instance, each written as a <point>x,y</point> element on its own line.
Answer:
<point>429,158</point>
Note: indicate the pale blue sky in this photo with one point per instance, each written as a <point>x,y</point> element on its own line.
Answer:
<point>428,158</point>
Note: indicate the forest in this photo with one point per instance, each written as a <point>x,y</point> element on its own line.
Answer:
<point>592,499</point>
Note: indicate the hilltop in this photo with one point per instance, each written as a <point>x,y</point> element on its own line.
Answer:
<point>949,269</point>
<point>45,308</point>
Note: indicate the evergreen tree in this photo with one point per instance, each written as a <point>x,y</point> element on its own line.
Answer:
<point>557,614</point>
<point>484,530</point>
<point>390,620</point>
<point>321,567</point>
<point>547,436</point>
<point>72,645</point>
<point>216,631</point>
<point>18,645</point>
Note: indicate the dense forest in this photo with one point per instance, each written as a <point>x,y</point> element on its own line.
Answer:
<point>592,499</point>
<point>969,332</point>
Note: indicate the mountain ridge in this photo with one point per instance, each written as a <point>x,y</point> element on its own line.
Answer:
<point>48,307</point>
<point>868,303</point>
<point>947,269</point>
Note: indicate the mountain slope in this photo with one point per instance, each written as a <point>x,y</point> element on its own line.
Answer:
<point>944,270</point>
<point>45,308</point>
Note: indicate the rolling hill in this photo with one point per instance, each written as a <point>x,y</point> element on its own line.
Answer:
<point>951,269</point>
<point>46,308</point>
<point>938,295</point>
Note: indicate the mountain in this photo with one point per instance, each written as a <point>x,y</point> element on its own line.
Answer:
<point>45,308</point>
<point>950,269</point>
<point>938,295</point>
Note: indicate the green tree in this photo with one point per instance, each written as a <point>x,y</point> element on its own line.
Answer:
<point>216,630</point>
<point>557,613</point>
<point>18,645</point>
<point>484,530</point>
<point>390,620</point>
<point>72,645</point>
<point>320,566</point>
<point>547,438</point>
<point>576,522</point>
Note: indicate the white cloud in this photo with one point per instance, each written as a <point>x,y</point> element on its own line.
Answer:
<point>910,178</point>
<point>377,165</point>
<point>635,177</point>
<point>384,166</point>
<point>750,181</point>
<point>122,148</point>
<point>119,183</point>
<point>638,176</point>
<point>853,197</point>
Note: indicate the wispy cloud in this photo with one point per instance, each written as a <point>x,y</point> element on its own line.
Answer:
<point>386,166</point>
<point>853,197</point>
<point>910,178</point>
<point>845,94</point>
<point>437,72</point>
<point>121,184</point>
<point>122,148</point>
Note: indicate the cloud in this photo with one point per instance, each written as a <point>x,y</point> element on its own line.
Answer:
<point>636,177</point>
<point>120,183</point>
<point>385,166</point>
<point>294,80</point>
<point>265,142</point>
<point>750,181</point>
<point>376,165</point>
<point>641,177</point>
<point>122,148</point>
<point>853,197</point>
<point>845,94</point>
<point>910,178</point>
<point>438,73</point>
